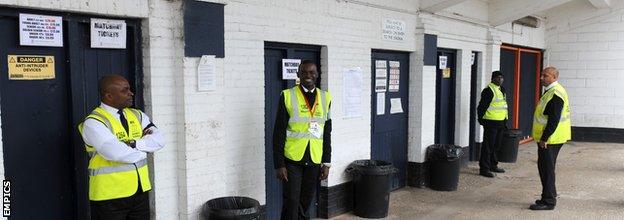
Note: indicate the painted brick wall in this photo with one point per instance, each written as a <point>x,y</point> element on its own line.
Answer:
<point>588,49</point>
<point>125,8</point>
<point>224,140</point>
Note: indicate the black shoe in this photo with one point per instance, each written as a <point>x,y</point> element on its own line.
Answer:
<point>497,170</point>
<point>487,174</point>
<point>540,202</point>
<point>537,206</point>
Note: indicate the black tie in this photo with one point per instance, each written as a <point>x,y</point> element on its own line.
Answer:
<point>123,120</point>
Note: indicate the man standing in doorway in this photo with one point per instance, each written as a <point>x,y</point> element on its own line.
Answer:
<point>551,129</point>
<point>117,139</point>
<point>302,142</point>
<point>492,115</point>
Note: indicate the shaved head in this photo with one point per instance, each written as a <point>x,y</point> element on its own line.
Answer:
<point>115,91</point>
<point>552,70</point>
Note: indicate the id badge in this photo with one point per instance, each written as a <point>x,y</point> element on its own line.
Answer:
<point>315,129</point>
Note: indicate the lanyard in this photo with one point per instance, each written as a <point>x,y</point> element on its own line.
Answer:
<point>313,108</point>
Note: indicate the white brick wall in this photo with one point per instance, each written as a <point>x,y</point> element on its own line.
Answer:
<point>586,45</point>
<point>125,8</point>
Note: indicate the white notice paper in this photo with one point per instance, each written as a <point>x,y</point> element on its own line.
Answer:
<point>41,30</point>
<point>442,61</point>
<point>206,76</point>
<point>381,76</point>
<point>352,95</point>
<point>108,33</point>
<point>395,106</point>
<point>289,68</point>
<point>381,103</point>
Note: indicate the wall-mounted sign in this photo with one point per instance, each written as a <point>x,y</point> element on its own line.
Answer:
<point>108,33</point>
<point>395,73</point>
<point>206,74</point>
<point>381,76</point>
<point>30,67</point>
<point>446,73</point>
<point>442,61</point>
<point>41,30</point>
<point>289,68</point>
<point>393,30</point>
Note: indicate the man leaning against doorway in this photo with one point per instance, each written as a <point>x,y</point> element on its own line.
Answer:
<point>118,139</point>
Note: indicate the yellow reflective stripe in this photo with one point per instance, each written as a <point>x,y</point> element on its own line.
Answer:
<point>323,104</point>
<point>293,103</point>
<point>119,168</point>
<point>301,135</point>
<point>543,120</point>
<point>137,113</point>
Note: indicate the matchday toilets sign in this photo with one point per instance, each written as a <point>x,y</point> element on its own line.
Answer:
<point>41,30</point>
<point>108,33</point>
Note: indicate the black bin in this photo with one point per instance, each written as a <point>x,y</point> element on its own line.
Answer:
<point>232,208</point>
<point>508,152</point>
<point>371,187</point>
<point>444,166</point>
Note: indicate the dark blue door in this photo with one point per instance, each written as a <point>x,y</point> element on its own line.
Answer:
<point>389,129</point>
<point>36,134</point>
<point>508,68</point>
<point>273,86</point>
<point>528,86</point>
<point>445,98</point>
<point>44,155</point>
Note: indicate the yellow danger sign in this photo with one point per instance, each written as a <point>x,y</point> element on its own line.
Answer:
<point>31,67</point>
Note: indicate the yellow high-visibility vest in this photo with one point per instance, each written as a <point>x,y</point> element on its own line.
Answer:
<point>297,134</point>
<point>109,179</point>
<point>497,111</point>
<point>563,132</point>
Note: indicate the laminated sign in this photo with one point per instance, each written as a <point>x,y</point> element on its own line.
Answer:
<point>41,30</point>
<point>108,33</point>
<point>30,67</point>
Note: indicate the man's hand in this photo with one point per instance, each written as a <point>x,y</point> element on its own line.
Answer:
<point>324,173</point>
<point>147,132</point>
<point>542,144</point>
<point>282,173</point>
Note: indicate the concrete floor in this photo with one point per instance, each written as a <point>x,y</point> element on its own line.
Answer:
<point>590,183</point>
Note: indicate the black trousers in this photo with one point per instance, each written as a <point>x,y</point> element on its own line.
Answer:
<point>135,207</point>
<point>492,140</point>
<point>299,190</point>
<point>546,161</point>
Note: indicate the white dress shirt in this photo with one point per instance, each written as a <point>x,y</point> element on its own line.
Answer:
<point>106,144</point>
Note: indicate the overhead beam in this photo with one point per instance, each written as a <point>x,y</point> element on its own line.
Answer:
<point>600,3</point>
<point>504,11</point>
<point>434,6</point>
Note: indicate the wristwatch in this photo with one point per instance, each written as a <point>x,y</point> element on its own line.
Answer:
<point>132,143</point>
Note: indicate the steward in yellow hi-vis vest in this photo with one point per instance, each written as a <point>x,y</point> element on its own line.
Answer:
<point>111,179</point>
<point>497,110</point>
<point>117,139</point>
<point>306,124</point>
<point>302,141</point>
<point>551,129</point>
<point>492,115</point>
<point>563,131</point>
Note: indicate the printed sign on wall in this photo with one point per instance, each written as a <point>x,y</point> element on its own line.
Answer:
<point>41,30</point>
<point>108,33</point>
<point>393,30</point>
<point>30,67</point>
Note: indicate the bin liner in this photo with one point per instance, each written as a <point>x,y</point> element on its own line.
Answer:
<point>230,208</point>
<point>444,152</point>
<point>371,167</point>
<point>371,187</point>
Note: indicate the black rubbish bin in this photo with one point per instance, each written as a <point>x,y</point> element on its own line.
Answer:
<point>508,152</point>
<point>444,166</point>
<point>371,187</point>
<point>232,208</point>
